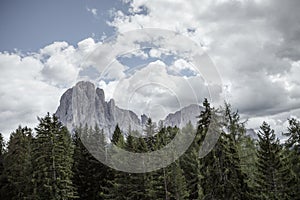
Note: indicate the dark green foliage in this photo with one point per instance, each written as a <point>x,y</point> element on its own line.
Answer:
<point>293,135</point>
<point>190,161</point>
<point>52,160</point>
<point>18,163</point>
<point>2,151</point>
<point>54,165</point>
<point>117,137</point>
<point>150,131</point>
<point>131,185</point>
<point>169,182</point>
<point>222,176</point>
<point>111,188</point>
<point>273,175</point>
<point>235,132</point>
<point>89,173</point>
<point>4,184</point>
<point>293,147</point>
<point>248,158</point>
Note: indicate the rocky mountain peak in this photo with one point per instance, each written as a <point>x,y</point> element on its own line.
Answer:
<point>183,116</point>
<point>100,94</point>
<point>85,104</point>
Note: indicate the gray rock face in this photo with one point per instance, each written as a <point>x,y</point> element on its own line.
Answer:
<point>144,119</point>
<point>85,104</point>
<point>183,116</point>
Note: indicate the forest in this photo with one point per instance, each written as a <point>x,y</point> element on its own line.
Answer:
<point>49,162</point>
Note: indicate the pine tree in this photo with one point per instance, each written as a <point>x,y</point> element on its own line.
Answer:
<point>4,184</point>
<point>53,161</point>
<point>177,182</point>
<point>247,153</point>
<point>235,131</point>
<point>2,151</point>
<point>190,161</point>
<point>292,153</point>
<point>131,185</point>
<point>117,137</point>
<point>150,131</point>
<point>293,145</point>
<point>191,166</point>
<point>168,182</point>
<point>81,159</point>
<point>222,176</point>
<point>18,167</point>
<point>272,174</point>
<point>112,188</point>
<point>89,173</point>
<point>157,183</point>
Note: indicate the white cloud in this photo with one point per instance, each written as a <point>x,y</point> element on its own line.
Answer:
<point>249,41</point>
<point>32,84</point>
<point>181,65</point>
<point>94,11</point>
<point>86,45</point>
<point>60,66</point>
<point>155,53</point>
<point>24,95</point>
<point>152,90</point>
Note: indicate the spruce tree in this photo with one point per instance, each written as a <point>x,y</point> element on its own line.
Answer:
<point>131,185</point>
<point>4,184</point>
<point>248,157</point>
<point>117,137</point>
<point>293,145</point>
<point>222,176</point>
<point>168,182</point>
<point>79,168</point>
<point>2,151</point>
<point>111,190</point>
<point>52,154</point>
<point>177,182</point>
<point>292,152</point>
<point>272,175</point>
<point>89,173</point>
<point>190,161</point>
<point>235,131</point>
<point>157,184</point>
<point>18,165</point>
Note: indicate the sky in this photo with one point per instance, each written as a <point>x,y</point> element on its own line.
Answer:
<point>48,46</point>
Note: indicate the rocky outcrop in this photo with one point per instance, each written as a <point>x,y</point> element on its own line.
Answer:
<point>85,104</point>
<point>183,116</point>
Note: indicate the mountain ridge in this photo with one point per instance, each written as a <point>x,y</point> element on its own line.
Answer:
<point>85,104</point>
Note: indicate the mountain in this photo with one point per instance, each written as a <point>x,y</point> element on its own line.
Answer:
<point>85,104</point>
<point>183,116</point>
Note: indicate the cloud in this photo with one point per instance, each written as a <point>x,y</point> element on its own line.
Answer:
<point>24,95</point>
<point>62,62</point>
<point>152,90</point>
<point>31,84</point>
<point>94,11</point>
<point>182,67</point>
<point>59,64</point>
<point>254,45</point>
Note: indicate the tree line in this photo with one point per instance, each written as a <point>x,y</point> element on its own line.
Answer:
<point>51,163</point>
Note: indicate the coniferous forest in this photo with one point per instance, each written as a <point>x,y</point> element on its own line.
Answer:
<point>51,163</point>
